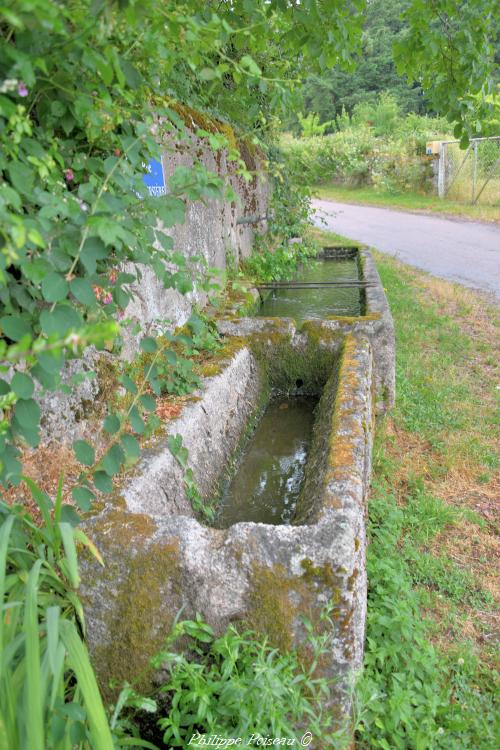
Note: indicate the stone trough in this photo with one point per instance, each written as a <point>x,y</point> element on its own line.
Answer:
<point>162,559</point>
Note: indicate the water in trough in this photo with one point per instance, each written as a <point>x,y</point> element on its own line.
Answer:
<point>303,304</point>
<point>270,472</point>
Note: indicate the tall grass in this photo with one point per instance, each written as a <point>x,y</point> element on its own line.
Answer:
<point>49,697</point>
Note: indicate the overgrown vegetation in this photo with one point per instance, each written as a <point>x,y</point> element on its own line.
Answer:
<point>376,147</point>
<point>429,678</point>
<point>237,685</point>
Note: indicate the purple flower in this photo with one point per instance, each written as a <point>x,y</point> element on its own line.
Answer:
<point>108,298</point>
<point>22,90</point>
<point>69,175</point>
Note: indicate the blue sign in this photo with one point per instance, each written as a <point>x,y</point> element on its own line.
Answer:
<point>154,179</point>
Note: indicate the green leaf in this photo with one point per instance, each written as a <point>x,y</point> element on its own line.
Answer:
<point>128,383</point>
<point>148,402</point>
<point>84,452</point>
<point>136,421</point>
<point>102,482</point>
<point>131,446</point>
<point>15,327</point>
<point>83,497</point>
<point>148,345</point>
<point>82,290</point>
<point>111,424</point>
<point>22,385</point>
<point>60,320</point>
<point>22,177</point>
<point>93,250</point>
<point>132,76</point>
<point>69,515</point>
<point>33,690</point>
<point>109,230</point>
<point>54,287</point>
<point>112,460</point>
<point>87,684</point>
<point>27,413</point>
<point>70,550</point>
<point>171,211</point>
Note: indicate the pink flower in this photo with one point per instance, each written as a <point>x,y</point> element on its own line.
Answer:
<point>69,175</point>
<point>22,90</point>
<point>107,299</point>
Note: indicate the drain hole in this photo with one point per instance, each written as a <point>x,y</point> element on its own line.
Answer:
<point>299,382</point>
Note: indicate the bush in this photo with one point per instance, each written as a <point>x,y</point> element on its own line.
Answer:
<point>375,147</point>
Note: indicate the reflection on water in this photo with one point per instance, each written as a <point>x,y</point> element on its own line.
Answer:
<point>270,474</point>
<point>303,304</point>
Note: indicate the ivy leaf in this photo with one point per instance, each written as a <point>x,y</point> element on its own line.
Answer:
<point>84,452</point>
<point>22,385</point>
<point>82,290</point>
<point>54,287</point>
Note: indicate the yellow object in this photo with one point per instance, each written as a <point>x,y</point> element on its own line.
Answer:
<point>432,148</point>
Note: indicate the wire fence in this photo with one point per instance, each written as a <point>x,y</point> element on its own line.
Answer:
<point>471,176</point>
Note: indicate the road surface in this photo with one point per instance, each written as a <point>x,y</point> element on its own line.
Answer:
<point>467,252</point>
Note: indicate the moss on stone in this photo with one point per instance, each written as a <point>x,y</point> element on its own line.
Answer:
<point>143,609</point>
<point>271,611</point>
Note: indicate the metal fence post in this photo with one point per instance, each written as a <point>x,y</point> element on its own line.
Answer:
<point>441,171</point>
<point>474,172</point>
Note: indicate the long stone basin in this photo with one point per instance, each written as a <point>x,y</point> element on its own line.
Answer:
<point>161,559</point>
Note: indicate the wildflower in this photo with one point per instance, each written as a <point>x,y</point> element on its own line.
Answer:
<point>82,204</point>
<point>22,89</point>
<point>69,175</point>
<point>117,152</point>
<point>98,291</point>
<point>107,299</point>
<point>112,276</point>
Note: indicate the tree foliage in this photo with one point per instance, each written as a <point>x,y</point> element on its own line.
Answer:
<point>432,57</point>
<point>88,93</point>
<point>334,90</point>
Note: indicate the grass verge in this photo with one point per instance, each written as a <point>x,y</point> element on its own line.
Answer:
<point>407,201</point>
<point>430,674</point>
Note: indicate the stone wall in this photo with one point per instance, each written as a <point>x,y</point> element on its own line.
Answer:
<point>211,229</point>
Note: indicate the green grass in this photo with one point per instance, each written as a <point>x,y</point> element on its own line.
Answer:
<point>426,685</point>
<point>406,201</point>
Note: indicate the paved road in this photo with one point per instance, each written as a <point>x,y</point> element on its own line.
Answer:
<point>464,251</point>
